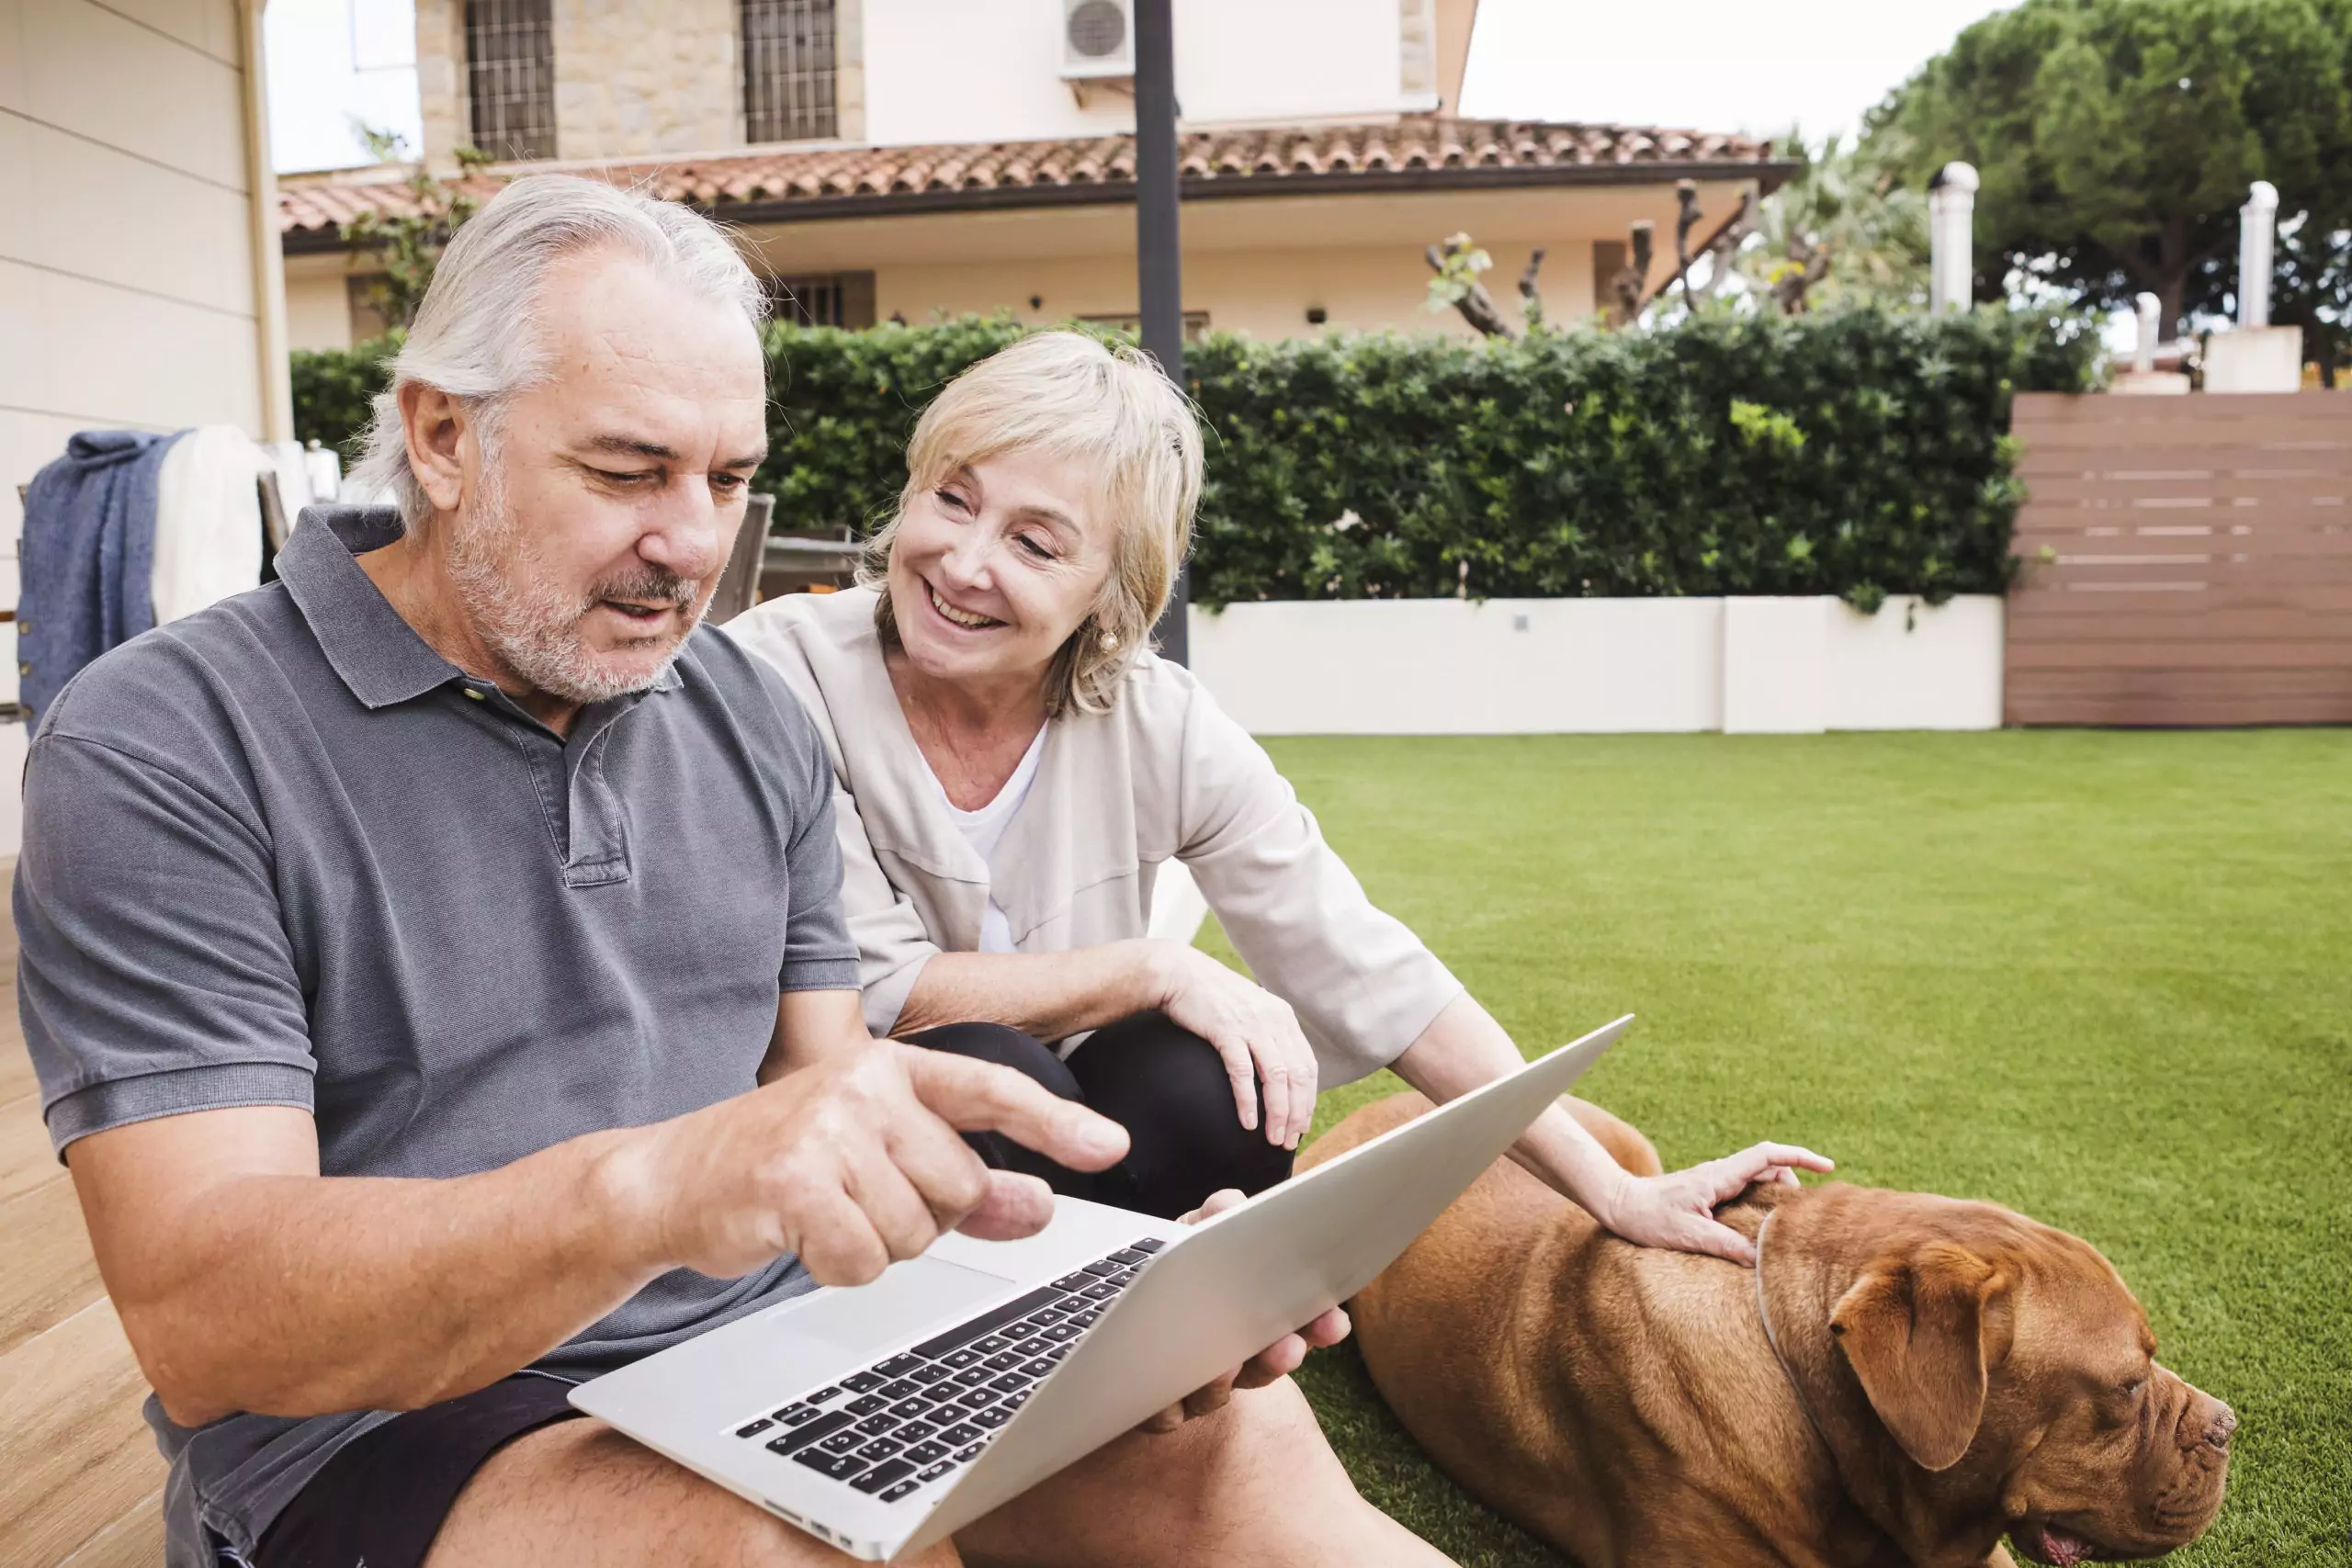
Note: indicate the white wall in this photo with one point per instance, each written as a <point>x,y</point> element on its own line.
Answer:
<point>1249,60</point>
<point>317,305</point>
<point>1449,667</point>
<point>1543,666</point>
<point>1775,675</point>
<point>127,288</point>
<point>1942,673</point>
<point>990,69</point>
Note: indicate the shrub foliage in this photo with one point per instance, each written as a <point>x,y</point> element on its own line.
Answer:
<point>1861,452</point>
<point>333,388</point>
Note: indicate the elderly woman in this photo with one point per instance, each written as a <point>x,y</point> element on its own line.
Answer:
<point>1016,767</point>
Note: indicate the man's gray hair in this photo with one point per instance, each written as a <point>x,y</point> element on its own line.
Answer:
<point>478,337</point>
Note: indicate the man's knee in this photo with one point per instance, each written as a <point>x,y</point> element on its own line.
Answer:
<point>1270,1430</point>
<point>1261,1440</point>
<point>1254,1479</point>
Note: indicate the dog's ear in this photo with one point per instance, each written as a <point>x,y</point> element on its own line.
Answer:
<point>1912,1329</point>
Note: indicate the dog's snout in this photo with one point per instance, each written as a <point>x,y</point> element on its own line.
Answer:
<point>2218,1430</point>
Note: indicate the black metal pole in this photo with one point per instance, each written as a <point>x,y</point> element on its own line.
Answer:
<point>1158,256</point>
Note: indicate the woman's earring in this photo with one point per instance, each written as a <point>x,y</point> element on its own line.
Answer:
<point>1110,641</point>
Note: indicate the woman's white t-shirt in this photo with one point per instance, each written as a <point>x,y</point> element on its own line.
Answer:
<point>982,829</point>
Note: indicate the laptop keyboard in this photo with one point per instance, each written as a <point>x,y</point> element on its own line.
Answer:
<point>913,1419</point>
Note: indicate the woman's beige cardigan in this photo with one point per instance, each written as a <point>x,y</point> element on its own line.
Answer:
<point>1164,774</point>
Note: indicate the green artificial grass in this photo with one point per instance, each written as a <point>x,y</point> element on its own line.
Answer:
<point>2105,978</point>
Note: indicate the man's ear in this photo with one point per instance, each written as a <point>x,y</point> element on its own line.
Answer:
<point>1912,1329</point>
<point>434,423</point>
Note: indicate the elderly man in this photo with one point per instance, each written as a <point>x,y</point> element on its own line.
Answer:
<point>435,973</point>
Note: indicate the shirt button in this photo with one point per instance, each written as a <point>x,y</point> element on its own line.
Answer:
<point>471,693</point>
<point>25,668</point>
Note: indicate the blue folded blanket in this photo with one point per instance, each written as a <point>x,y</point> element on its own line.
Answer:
<point>86,565</point>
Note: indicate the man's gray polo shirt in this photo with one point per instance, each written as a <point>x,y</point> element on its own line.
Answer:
<point>281,852</point>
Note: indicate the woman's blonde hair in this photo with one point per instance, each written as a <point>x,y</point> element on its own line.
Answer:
<point>1108,406</point>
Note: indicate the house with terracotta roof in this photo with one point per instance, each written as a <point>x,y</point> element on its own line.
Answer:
<point>897,159</point>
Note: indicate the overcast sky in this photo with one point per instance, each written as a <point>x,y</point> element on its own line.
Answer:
<point>1706,64</point>
<point>330,60</point>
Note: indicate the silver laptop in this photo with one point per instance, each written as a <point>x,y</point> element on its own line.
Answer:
<point>882,1417</point>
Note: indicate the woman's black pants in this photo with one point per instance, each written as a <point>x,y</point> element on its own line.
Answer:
<point>1161,1082</point>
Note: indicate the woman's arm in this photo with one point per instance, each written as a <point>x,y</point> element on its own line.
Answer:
<point>1049,995</point>
<point>1465,1047</point>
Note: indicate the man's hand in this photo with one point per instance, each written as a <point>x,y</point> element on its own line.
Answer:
<point>1677,1210</point>
<point>1276,1361</point>
<point>853,1163</point>
<point>1255,1032</point>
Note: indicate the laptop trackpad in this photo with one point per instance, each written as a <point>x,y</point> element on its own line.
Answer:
<point>915,1294</point>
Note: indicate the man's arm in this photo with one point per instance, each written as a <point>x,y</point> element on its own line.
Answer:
<point>813,1027</point>
<point>248,1282</point>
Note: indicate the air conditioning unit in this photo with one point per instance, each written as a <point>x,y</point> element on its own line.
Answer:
<point>1098,40</point>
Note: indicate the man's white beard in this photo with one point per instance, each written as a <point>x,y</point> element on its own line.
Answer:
<point>533,626</point>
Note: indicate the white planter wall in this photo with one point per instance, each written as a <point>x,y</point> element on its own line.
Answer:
<point>1178,904</point>
<point>1555,666</point>
<point>1776,654</point>
<point>1942,673</point>
<point>1444,666</point>
<point>1598,666</point>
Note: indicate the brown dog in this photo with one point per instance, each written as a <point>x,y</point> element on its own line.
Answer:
<point>1945,1373</point>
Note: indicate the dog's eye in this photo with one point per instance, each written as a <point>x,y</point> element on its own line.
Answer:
<point>2132,1390</point>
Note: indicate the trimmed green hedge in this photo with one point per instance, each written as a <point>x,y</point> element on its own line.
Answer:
<point>333,388</point>
<point>1861,453</point>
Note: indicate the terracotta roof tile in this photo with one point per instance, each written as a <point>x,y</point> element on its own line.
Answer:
<point>777,183</point>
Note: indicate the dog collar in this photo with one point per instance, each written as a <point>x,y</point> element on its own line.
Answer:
<point>1764,1316</point>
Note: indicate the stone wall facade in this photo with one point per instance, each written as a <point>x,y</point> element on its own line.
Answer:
<point>638,78</point>
<point>633,78</point>
<point>1416,38</point>
<point>849,68</point>
<point>441,80</point>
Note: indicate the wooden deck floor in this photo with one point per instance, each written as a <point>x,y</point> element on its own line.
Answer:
<point>80,1481</point>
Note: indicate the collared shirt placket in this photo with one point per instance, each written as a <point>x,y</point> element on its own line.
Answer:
<point>585,821</point>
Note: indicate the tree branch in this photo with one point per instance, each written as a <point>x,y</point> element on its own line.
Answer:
<point>1527,277</point>
<point>1477,307</point>
<point>1687,216</point>
<point>1631,281</point>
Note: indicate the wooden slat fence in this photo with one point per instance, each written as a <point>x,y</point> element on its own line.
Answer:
<point>2185,560</point>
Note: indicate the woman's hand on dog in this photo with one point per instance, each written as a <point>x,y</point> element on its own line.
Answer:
<point>1274,1362</point>
<point>1677,1210</point>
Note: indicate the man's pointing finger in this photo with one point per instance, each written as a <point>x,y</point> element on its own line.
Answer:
<point>980,1097</point>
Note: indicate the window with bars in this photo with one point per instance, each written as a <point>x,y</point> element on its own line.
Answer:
<point>822,299</point>
<point>788,70</point>
<point>509,77</point>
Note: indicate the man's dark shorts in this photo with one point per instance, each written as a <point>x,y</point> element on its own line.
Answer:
<point>382,1498</point>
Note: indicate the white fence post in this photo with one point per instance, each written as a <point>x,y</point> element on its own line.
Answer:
<point>2258,237</point>
<point>1952,212</point>
<point>2144,357</point>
